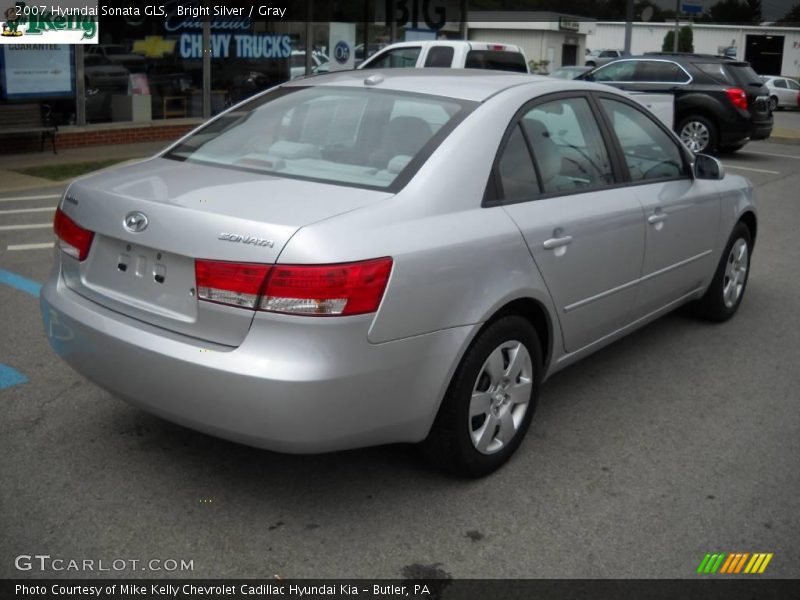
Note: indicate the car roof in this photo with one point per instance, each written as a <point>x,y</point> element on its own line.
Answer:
<point>463,84</point>
<point>452,43</point>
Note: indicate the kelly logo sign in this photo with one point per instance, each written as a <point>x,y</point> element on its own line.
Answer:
<point>64,22</point>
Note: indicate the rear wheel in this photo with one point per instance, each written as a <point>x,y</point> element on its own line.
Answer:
<point>490,401</point>
<point>726,291</point>
<point>773,103</point>
<point>698,134</point>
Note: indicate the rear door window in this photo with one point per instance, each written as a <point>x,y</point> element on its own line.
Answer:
<point>793,85</point>
<point>397,58</point>
<point>567,146</point>
<point>496,60</point>
<point>660,71</point>
<point>616,71</point>
<point>439,56</point>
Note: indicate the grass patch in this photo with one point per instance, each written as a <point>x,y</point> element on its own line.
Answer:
<point>69,170</point>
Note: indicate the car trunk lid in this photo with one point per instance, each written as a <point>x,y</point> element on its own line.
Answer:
<point>192,211</point>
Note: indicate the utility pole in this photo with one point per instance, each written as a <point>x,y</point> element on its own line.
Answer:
<point>677,25</point>
<point>628,26</point>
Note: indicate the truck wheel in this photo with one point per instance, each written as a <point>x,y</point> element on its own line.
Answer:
<point>698,134</point>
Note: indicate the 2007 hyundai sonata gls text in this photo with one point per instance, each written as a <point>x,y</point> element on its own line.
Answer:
<point>400,256</point>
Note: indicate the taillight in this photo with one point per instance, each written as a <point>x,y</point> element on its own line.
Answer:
<point>73,239</point>
<point>798,98</point>
<point>738,97</point>
<point>496,47</point>
<point>312,290</point>
<point>237,284</point>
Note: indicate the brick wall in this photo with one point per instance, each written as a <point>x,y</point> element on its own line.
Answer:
<point>94,137</point>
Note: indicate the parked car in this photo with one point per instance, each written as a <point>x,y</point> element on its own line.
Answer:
<point>720,104</point>
<point>569,72</point>
<point>118,54</point>
<point>783,92</point>
<point>369,258</point>
<point>454,55</point>
<point>595,58</point>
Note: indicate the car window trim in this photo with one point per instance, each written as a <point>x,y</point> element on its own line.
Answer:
<point>637,60</point>
<point>614,139</point>
<point>494,177</point>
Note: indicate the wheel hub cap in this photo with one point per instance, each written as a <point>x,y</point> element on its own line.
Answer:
<point>500,397</point>
<point>735,273</point>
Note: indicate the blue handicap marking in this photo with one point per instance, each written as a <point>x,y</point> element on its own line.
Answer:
<point>10,377</point>
<point>19,282</point>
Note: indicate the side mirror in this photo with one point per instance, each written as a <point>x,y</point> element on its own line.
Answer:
<point>708,167</point>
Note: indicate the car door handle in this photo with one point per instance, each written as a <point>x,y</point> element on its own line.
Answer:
<point>658,217</point>
<point>557,242</point>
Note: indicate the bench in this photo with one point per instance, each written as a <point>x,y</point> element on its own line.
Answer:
<point>27,118</point>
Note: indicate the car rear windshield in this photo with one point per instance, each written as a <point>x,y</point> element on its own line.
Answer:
<point>359,137</point>
<point>496,60</point>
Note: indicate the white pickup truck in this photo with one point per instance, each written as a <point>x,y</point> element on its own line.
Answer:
<point>454,55</point>
<point>483,55</point>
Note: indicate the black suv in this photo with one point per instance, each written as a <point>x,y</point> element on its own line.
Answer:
<point>720,103</point>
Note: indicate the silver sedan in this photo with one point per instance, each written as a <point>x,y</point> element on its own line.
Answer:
<point>404,256</point>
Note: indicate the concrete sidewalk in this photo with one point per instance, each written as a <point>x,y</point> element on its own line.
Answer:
<point>13,181</point>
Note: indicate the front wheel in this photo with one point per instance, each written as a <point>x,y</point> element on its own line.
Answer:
<point>698,134</point>
<point>726,291</point>
<point>490,401</point>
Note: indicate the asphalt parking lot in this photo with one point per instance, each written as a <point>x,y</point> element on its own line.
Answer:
<point>682,439</point>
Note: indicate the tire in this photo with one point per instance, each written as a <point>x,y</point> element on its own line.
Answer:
<point>497,382</point>
<point>590,64</point>
<point>731,149</point>
<point>726,291</point>
<point>773,103</point>
<point>698,133</point>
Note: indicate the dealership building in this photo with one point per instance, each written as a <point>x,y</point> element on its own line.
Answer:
<point>151,77</point>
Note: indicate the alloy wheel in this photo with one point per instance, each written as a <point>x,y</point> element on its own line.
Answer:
<point>735,273</point>
<point>500,397</point>
<point>695,136</point>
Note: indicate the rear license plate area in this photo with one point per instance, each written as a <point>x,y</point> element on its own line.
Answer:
<point>144,277</point>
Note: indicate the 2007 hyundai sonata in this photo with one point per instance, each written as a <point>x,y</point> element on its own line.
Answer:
<point>401,256</point>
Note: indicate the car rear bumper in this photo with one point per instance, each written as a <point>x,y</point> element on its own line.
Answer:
<point>296,384</point>
<point>761,130</point>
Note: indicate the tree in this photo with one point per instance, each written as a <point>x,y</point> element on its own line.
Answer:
<point>791,18</point>
<point>734,11</point>
<point>685,40</point>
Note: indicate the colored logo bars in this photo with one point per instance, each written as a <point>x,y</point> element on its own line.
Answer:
<point>734,563</point>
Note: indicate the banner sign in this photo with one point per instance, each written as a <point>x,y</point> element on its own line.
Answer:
<point>40,71</point>
<point>236,45</point>
<point>341,46</point>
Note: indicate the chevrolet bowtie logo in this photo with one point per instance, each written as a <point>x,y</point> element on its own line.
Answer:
<point>154,46</point>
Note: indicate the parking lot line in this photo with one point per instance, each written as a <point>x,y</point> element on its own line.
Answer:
<point>31,226</point>
<point>19,282</point>
<point>17,211</point>
<point>10,377</point>
<point>18,247</point>
<point>24,198</point>
<point>773,154</point>
<point>727,166</point>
